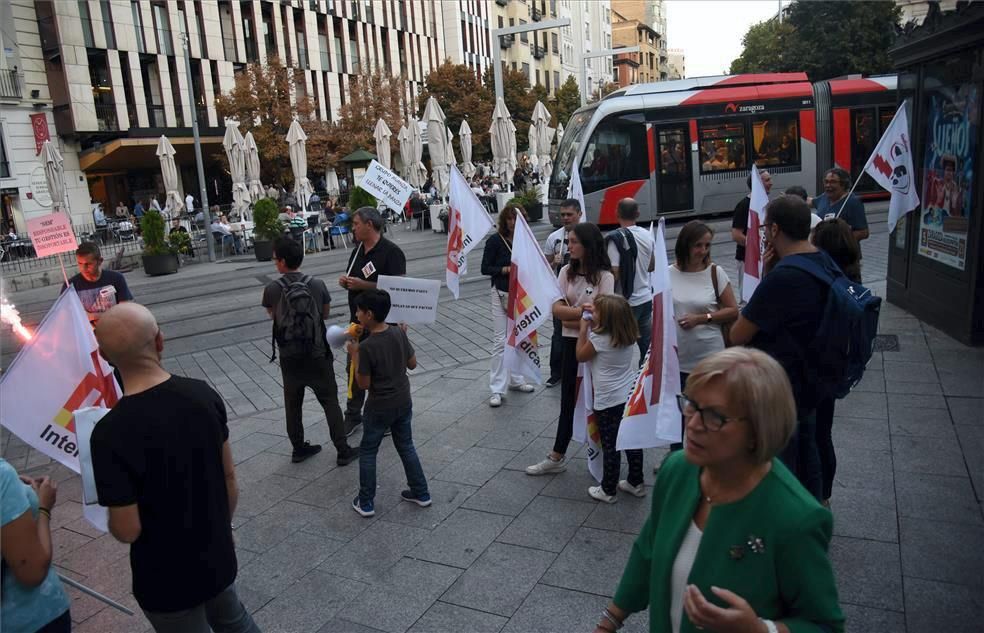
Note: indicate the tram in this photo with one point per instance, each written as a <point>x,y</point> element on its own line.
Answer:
<point>685,147</point>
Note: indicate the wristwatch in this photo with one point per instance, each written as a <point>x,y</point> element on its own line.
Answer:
<point>708,315</point>
<point>770,626</point>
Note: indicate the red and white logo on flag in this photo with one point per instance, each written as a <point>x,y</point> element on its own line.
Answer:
<point>754,236</point>
<point>469,223</point>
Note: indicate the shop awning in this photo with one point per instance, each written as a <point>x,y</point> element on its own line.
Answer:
<point>124,154</point>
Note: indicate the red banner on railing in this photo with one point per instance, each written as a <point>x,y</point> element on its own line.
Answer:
<point>39,123</point>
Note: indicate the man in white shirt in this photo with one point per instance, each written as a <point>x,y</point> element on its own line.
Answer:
<point>632,279</point>
<point>221,225</point>
<point>190,204</point>
<point>555,249</point>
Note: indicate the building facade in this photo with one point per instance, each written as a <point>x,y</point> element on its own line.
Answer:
<point>539,54</point>
<point>642,66</point>
<point>466,33</point>
<point>676,67</point>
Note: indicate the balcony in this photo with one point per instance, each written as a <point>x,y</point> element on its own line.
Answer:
<point>10,84</point>
<point>106,116</point>
<point>505,41</point>
<point>538,52</point>
<point>535,14</point>
<point>502,3</point>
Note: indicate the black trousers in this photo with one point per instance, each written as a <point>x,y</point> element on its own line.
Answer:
<point>568,394</point>
<point>608,422</point>
<point>556,348</point>
<point>318,374</point>
<point>825,445</point>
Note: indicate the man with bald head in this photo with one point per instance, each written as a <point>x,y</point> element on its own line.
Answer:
<point>164,469</point>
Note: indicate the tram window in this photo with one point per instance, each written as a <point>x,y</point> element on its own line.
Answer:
<point>722,146</point>
<point>616,152</point>
<point>863,139</point>
<point>885,116</point>
<point>776,140</point>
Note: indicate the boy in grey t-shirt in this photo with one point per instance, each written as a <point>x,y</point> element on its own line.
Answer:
<point>382,361</point>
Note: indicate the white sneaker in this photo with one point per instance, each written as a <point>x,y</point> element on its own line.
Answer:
<point>597,492</point>
<point>547,467</point>
<point>523,388</point>
<point>639,491</point>
<point>495,400</point>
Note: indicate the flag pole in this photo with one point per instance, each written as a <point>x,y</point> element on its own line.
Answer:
<point>349,271</point>
<point>94,594</point>
<point>62,263</point>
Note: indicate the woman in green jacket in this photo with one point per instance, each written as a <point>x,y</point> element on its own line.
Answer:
<point>733,544</point>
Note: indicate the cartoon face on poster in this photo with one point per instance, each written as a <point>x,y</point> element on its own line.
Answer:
<point>948,171</point>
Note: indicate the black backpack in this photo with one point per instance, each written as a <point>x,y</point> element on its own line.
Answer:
<point>628,252</point>
<point>297,321</point>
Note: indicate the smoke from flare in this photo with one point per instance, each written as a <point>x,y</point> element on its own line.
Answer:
<point>10,315</point>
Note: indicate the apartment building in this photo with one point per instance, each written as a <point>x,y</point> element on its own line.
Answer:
<point>637,67</point>
<point>537,54</point>
<point>466,33</point>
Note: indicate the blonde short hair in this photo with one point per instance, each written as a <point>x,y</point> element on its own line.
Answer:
<point>758,390</point>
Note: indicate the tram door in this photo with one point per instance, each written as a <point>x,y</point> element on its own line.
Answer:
<point>676,183</point>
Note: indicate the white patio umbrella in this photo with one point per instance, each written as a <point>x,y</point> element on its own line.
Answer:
<point>169,174</point>
<point>531,152</point>
<point>437,146</point>
<point>405,151</point>
<point>560,133</point>
<point>256,190</point>
<point>234,146</point>
<point>54,174</point>
<point>451,158</point>
<point>297,140</point>
<point>331,182</point>
<point>503,136</point>
<point>544,138</point>
<point>464,138</point>
<point>417,173</point>
<point>382,134</point>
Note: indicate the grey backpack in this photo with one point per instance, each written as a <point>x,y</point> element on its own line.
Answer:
<point>297,322</point>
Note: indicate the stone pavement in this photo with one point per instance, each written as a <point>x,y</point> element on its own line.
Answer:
<point>501,551</point>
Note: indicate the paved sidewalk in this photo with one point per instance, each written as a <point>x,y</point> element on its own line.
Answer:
<point>501,551</point>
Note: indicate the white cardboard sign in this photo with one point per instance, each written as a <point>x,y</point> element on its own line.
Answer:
<point>386,186</point>
<point>52,234</point>
<point>411,300</point>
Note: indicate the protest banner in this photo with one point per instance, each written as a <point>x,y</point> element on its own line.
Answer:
<point>52,234</point>
<point>586,421</point>
<point>754,237</point>
<point>470,222</point>
<point>411,300</point>
<point>389,188</point>
<point>85,421</point>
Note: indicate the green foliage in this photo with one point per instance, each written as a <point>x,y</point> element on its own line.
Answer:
<point>266,223</point>
<point>152,231</point>
<point>462,96</point>
<point>567,100</point>
<point>824,39</point>
<point>519,100</point>
<point>359,198</point>
<point>179,242</point>
<point>526,198</point>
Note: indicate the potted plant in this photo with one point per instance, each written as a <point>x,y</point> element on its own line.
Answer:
<point>530,200</point>
<point>359,198</point>
<point>159,256</point>
<point>267,227</point>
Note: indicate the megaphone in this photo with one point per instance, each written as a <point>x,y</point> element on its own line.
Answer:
<point>337,335</point>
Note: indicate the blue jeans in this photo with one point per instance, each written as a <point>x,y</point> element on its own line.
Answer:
<point>644,317</point>
<point>374,425</point>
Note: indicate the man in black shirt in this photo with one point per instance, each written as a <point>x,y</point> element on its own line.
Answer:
<point>312,365</point>
<point>98,289</point>
<point>374,255</point>
<point>163,466</point>
<point>782,319</point>
<point>739,225</point>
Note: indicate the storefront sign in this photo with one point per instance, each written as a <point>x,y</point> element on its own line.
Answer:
<point>411,300</point>
<point>39,123</point>
<point>52,234</point>
<point>948,173</point>
<point>39,188</point>
<point>389,188</point>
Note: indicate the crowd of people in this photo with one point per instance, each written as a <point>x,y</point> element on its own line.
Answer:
<point>737,536</point>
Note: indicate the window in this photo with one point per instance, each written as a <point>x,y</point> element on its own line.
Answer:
<point>107,19</point>
<point>138,26</point>
<point>526,71</point>
<point>557,81</point>
<point>573,131</point>
<point>722,145</point>
<point>863,139</point>
<point>500,22</point>
<point>163,28</point>
<point>4,163</point>
<point>616,153</point>
<point>90,41</point>
<point>524,37</point>
<point>775,140</point>
<point>556,46</point>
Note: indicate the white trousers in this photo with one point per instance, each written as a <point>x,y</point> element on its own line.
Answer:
<point>499,378</point>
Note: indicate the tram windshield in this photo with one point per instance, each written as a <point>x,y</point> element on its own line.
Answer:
<point>573,135</point>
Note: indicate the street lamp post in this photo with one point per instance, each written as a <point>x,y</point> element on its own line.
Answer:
<point>609,52</point>
<point>198,149</point>
<point>543,25</point>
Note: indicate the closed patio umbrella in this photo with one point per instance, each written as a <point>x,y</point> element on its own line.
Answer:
<point>405,151</point>
<point>437,146</point>
<point>417,172</point>
<point>169,174</point>
<point>234,146</point>
<point>503,137</point>
<point>382,134</point>
<point>331,182</point>
<point>54,174</point>
<point>464,138</point>
<point>297,140</point>
<point>544,138</point>
<point>253,168</point>
<point>531,151</point>
<point>451,158</point>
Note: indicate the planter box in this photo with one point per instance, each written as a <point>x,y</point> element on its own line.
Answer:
<point>263,250</point>
<point>165,264</point>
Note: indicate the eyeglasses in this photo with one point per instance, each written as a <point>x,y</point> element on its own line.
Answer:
<point>710,419</point>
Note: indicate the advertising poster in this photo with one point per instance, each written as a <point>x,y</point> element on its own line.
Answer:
<point>948,170</point>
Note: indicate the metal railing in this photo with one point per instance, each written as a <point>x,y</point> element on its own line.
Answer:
<point>505,41</point>
<point>538,51</point>
<point>10,85</point>
<point>106,116</point>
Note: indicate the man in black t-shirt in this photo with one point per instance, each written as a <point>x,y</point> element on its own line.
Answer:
<point>782,319</point>
<point>739,225</point>
<point>374,255</point>
<point>163,466</point>
<point>98,289</point>
<point>314,368</point>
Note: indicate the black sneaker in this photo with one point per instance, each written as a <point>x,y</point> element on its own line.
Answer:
<point>552,382</point>
<point>351,427</point>
<point>306,450</point>
<point>347,455</point>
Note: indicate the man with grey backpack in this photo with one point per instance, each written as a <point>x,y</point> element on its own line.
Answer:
<point>299,305</point>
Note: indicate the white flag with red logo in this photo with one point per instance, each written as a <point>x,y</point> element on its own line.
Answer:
<point>533,290</point>
<point>754,237</point>
<point>575,191</point>
<point>651,415</point>
<point>468,224</point>
<point>586,422</point>
<point>890,166</point>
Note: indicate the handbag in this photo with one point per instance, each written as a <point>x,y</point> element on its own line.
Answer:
<point>725,327</point>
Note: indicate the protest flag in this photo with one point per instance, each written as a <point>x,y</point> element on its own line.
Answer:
<point>58,371</point>
<point>533,290</point>
<point>575,191</point>
<point>469,223</point>
<point>890,165</point>
<point>651,416</point>
<point>586,422</point>
<point>754,237</point>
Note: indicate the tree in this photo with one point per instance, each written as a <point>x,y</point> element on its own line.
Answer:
<point>605,89</point>
<point>568,99</point>
<point>516,93</point>
<point>261,102</point>
<point>462,96</point>
<point>823,39</point>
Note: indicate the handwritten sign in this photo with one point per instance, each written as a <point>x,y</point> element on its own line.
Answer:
<point>52,234</point>
<point>389,188</point>
<point>411,300</point>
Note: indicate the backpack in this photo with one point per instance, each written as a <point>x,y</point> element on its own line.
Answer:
<point>297,321</point>
<point>628,252</point>
<point>845,339</point>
